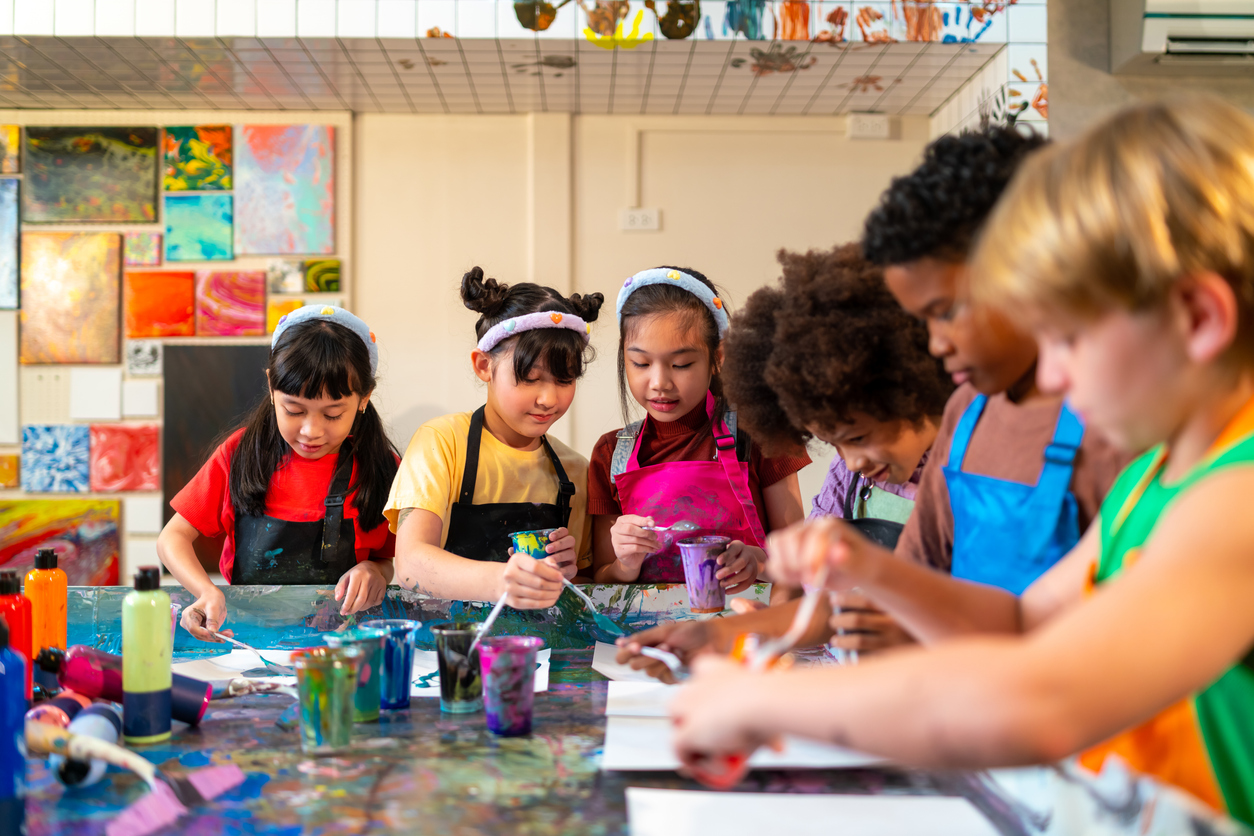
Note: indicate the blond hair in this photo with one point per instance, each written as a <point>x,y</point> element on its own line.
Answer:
<point>1114,218</point>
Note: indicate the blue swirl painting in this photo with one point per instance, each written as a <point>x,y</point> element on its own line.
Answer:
<point>198,227</point>
<point>56,459</point>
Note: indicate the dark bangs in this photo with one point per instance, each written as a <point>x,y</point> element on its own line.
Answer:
<point>320,359</point>
<point>560,352</point>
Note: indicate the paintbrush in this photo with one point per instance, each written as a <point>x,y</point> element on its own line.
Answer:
<point>598,618</point>
<point>486,626</point>
<point>169,796</point>
<point>273,667</point>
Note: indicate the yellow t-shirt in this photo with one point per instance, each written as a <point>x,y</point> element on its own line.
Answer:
<point>430,477</point>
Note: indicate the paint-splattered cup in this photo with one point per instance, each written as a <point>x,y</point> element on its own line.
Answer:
<point>367,700</point>
<point>532,543</point>
<point>461,682</point>
<point>398,659</point>
<point>700,558</point>
<point>326,682</point>
<point>509,680</point>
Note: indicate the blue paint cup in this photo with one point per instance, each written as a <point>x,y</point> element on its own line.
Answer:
<point>398,659</point>
<point>367,700</point>
<point>532,543</point>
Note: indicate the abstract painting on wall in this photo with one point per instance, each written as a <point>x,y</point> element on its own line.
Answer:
<point>278,308</point>
<point>198,158</point>
<point>9,468</point>
<point>55,458</point>
<point>8,243</point>
<point>231,304</point>
<point>125,457</point>
<point>83,532</point>
<point>198,227</point>
<point>322,275</point>
<point>160,304</point>
<point>10,145</point>
<point>286,186</point>
<point>90,174</point>
<point>143,249</point>
<point>70,297</point>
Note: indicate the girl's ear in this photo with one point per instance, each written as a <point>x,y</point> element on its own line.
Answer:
<point>1209,312</point>
<point>361,407</point>
<point>718,358</point>
<point>482,364</point>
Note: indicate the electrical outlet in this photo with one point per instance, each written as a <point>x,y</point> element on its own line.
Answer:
<point>640,220</point>
<point>868,126</point>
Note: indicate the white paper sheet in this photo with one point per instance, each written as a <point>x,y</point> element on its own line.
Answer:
<point>654,812</point>
<point>219,670</point>
<point>96,394</point>
<point>9,433</point>
<point>425,663</point>
<point>644,743</point>
<point>139,398</point>
<point>639,699</point>
<point>604,664</point>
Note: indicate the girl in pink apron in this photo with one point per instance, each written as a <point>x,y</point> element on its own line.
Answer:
<point>685,470</point>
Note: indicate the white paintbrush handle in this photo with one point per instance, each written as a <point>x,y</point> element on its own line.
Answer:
<point>582,595</point>
<point>47,739</point>
<point>487,623</point>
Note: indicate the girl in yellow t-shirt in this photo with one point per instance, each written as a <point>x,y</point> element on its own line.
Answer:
<point>469,480</point>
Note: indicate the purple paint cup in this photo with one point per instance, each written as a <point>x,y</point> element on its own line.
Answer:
<point>700,557</point>
<point>508,664</point>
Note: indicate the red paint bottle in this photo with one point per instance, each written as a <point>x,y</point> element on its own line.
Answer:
<point>17,613</point>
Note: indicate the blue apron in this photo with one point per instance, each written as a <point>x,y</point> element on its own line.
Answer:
<point>1006,533</point>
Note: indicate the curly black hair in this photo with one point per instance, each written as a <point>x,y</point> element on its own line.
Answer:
<point>937,209</point>
<point>828,342</point>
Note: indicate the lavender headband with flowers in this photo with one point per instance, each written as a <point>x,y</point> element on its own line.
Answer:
<point>678,278</point>
<point>530,322</point>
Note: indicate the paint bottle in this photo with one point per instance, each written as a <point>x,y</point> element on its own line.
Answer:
<point>59,710</point>
<point>15,608</point>
<point>146,657</point>
<point>94,673</point>
<point>46,590</point>
<point>12,710</point>
<point>101,721</point>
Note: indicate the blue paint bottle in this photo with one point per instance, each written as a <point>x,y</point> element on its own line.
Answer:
<point>12,714</point>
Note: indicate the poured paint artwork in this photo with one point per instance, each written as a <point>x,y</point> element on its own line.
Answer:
<point>680,19</point>
<point>143,357</point>
<point>8,243</point>
<point>143,249</point>
<point>83,533</point>
<point>276,308</point>
<point>198,158</point>
<point>125,457</point>
<point>535,15</point>
<point>70,297</point>
<point>160,304</point>
<point>55,458</point>
<point>10,467</point>
<point>286,187</point>
<point>231,304</point>
<point>198,227</point>
<point>10,145</point>
<point>90,174</point>
<point>322,275</point>
<point>285,276</point>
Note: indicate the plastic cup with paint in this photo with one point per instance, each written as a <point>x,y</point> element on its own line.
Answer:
<point>367,701</point>
<point>326,681</point>
<point>700,557</point>
<point>398,659</point>
<point>532,543</point>
<point>509,679</point>
<point>461,684</point>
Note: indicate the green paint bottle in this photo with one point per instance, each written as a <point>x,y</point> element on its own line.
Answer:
<point>146,650</point>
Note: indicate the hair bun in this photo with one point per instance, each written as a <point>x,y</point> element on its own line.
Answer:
<point>587,307</point>
<point>483,296</point>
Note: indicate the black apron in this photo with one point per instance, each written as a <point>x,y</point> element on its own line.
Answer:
<point>481,532</point>
<point>273,551</point>
<point>881,532</point>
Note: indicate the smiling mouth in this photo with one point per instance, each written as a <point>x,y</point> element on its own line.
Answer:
<point>542,418</point>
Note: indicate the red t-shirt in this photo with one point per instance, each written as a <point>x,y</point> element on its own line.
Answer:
<point>687,439</point>
<point>296,493</point>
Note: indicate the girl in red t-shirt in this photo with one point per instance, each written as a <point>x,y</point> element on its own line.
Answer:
<point>686,461</point>
<point>298,492</point>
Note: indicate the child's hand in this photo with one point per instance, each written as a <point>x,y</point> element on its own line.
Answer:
<point>683,638</point>
<point>207,613</point>
<point>707,723</point>
<point>740,566</point>
<point>632,542</point>
<point>531,584</point>
<point>861,626</point>
<point>561,549</point>
<point>798,551</point>
<point>361,588</point>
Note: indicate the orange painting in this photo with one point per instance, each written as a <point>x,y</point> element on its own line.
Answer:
<point>160,304</point>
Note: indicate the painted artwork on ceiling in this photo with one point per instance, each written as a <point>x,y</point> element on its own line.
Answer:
<point>322,275</point>
<point>198,227</point>
<point>77,175</point>
<point>55,458</point>
<point>231,304</point>
<point>286,188</point>
<point>70,297</point>
<point>9,237</point>
<point>85,534</point>
<point>10,467</point>
<point>143,249</point>
<point>160,304</point>
<point>278,308</point>
<point>125,457</point>
<point>198,158</point>
<point>10,148</point>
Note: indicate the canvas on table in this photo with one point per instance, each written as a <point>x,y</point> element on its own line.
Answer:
<point>231,304</point>
<point>198,227</point>
<point>125,457</point>
<point>142,249</point>
<point>160,304</point>
<point>83,533</point>
<point>8,243</point>
<point>55,458</point>
<point>285,184</point>
<point>197,158</point>
<point>70,297</point>
<point>68,169</point>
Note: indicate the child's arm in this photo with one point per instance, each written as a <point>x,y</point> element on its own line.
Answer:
<point>619,547</point>
<point>365,585</point>
<point>175,549</point>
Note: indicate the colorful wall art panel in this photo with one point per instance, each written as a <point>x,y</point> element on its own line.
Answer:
<point>70,297</point>
<point>83,532</point>
<point>10,466</point>
<point>90,174</point>
<point>286,188</point>
<point>198,158</point>
<point>198,227</point>
<point>143,249</point>
<point>55,458</point>
<point>125,457</point>
<point>276,308</point>
<point>322,275</point>
<point>8,243</point>
<point>285,276</point>
<point>160,304</point>
<point>231,304</point>
<point>10,146</point>
<point>143,357</point>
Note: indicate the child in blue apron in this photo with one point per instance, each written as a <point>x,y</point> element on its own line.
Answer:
<point>470,479</point>
<point>297,494</point>
<point>686,462</point>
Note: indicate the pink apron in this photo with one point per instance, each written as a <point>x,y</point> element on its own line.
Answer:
<point>714,495</point>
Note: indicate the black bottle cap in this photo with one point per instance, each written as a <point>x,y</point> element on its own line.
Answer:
<point>148,578</point>
<point>4,633</point>
<point>45,559</point>
<point>50,659</point>
<point>10,583</point>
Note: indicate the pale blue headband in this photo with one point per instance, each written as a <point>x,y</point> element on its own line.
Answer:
<point>678,278</point>
<point>330,313</point>
<point>530,322</point>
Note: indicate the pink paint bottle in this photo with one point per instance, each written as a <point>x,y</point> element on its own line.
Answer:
<point>95,673</point>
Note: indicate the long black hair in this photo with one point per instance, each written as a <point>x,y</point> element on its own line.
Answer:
<point>661,299</point>
<point>562,352</point>
<point>316,359</point>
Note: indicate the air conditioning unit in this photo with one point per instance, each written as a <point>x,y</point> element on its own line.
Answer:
<point>1182,37</point>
